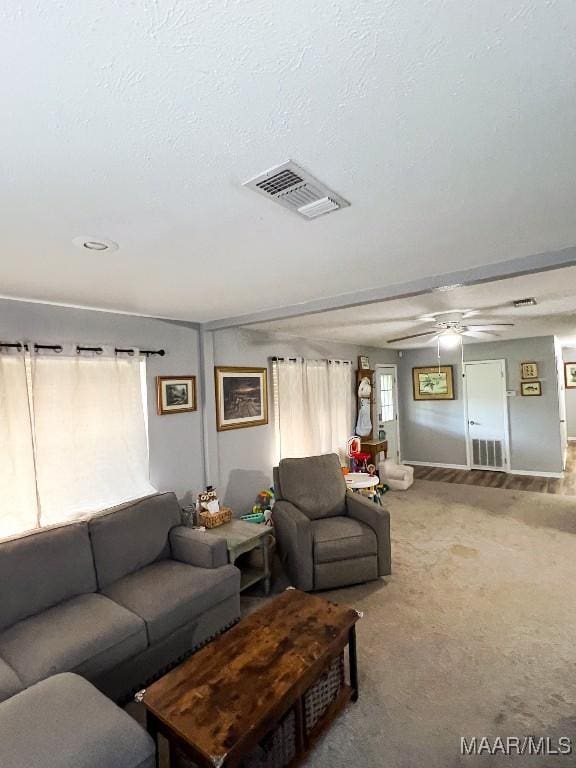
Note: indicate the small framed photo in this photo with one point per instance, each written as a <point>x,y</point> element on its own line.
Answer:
<point>363,363</point>
<point>531,388</point>
<point>241,397</point>
<point>570,375</point>
<point>175,394</point>
<point>529,370</point>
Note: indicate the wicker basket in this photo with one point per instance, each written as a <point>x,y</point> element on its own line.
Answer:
<point>214,519</point>
<point>325,690</point>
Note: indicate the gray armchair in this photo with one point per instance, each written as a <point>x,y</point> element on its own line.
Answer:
<point>327,536</point>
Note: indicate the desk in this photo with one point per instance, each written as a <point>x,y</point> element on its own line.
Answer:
<point>374,447</point>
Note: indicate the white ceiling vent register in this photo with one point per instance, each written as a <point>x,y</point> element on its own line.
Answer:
<point>296,189</point>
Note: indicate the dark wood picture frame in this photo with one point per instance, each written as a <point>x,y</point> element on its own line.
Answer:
<point>529,370</point>
<point>164,393</point>
<point>526,385</point>
<point>569,383</point>
<point>431,371</point>
<point>225,422</point>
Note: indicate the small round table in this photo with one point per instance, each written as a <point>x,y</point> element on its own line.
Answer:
<point>361,481</point>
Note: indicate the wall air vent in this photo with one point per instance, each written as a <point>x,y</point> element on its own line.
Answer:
<point>487,453</point>
<point>296,189</point>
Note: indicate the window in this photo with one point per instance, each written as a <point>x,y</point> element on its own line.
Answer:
<point>73,437</point>
<point>386,398</point>
<point>313,406</point>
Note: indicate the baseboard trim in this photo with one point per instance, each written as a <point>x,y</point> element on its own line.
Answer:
<point>536,473</point>
<point>435,464</point>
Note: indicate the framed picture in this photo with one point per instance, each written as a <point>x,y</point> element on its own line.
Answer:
<point>363,363</point>
<point>175,394</point>
<point>433,383</point>
<point>570,375</point>
<point>529,370</point>
<point>241,397</point>
<point>531,388</point>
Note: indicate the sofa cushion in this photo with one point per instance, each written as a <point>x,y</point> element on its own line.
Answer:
<point>43,568</point>
<point>64,722</point>
<point>168,594</point>
<point>342,538</point>
<point>128,537</point>
<point>315,485</point>
<point>87,635</point>
<point>9,682</point>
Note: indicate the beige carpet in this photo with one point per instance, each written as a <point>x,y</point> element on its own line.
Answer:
<point>473,635</point>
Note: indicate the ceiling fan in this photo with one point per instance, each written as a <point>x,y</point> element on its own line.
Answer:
<point>449,328</point>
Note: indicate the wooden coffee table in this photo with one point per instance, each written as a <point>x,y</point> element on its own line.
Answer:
<point>217,706</point>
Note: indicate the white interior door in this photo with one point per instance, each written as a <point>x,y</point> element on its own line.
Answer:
<point>386,408</point>
<point>487,414</point>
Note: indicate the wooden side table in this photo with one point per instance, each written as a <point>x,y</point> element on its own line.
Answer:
<point>242,537</point>
<point>374,447</point>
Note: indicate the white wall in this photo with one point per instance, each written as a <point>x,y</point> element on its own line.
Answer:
<point>434,431</point>
<point>246,456</point>
<point>175,440</point>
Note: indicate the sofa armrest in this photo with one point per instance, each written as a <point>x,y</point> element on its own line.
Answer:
<point>371,514</point>
<point>294,535</point>
<point>198,547</point>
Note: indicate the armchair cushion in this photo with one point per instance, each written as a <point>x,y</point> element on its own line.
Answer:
<point>315,485</point>
<point>365,511</point>
<point>198,548</point>
<point>342,538</point>
<point>9,682</point>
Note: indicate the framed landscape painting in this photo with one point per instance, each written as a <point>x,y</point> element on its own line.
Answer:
<point>241,397</point>
<point>175,394</point>
<point>570,375</point>
<point>433,383</point>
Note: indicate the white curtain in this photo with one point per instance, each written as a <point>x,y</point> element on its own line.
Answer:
<point>90,436</point>
<point>18,500</point>
<point>313,404</point>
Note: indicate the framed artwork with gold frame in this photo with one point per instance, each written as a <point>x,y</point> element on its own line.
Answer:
<point>529,370</point>
<point>241,397</point>
<point>531,388</point>
<point>175,394</point>
<point>433,383</point>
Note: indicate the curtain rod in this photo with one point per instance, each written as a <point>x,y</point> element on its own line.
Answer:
<point>295,359</point>
<point>79,349</point>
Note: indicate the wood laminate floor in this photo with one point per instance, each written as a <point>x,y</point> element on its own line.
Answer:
<point>565,486</point>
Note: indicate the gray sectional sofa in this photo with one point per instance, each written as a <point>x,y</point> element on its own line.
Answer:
<point>117,598</point>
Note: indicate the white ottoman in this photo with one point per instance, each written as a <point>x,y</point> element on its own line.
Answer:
<point>398,477</point>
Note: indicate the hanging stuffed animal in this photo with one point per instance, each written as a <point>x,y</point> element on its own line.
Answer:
<point>364,422</point>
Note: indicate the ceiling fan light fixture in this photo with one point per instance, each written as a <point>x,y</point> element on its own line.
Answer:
<point>450,339</point>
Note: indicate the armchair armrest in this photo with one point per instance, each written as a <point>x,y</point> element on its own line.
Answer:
<point>378,519</point>
<point>198,547</point>
<point>294,535</point>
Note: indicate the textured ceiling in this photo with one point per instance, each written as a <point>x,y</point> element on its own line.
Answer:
<point>449,126</point>
<point>374,324</point>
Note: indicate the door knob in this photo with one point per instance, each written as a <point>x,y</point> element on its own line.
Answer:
<point>472,423</point>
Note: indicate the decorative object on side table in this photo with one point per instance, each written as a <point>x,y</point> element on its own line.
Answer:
<point>570,375</point>
<point>175,394</point>
<point>531,388</point>
<point>434,382</point>
<point>241,397</point>
<point>210,513</point>
<point>529,370</point>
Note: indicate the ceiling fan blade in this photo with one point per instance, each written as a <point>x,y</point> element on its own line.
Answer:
<point>487,326</point>
<point>481,334</point>
<point>412,336</point>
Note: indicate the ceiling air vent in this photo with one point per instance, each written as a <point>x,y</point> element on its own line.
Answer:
<point>529,302</point>
<point>296,189</point>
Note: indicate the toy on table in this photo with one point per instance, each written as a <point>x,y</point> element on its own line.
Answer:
<point>357,457</point>
<point>208,501</point>
<point>262,509</point>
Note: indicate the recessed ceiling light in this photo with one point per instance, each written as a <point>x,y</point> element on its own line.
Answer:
<point>95,244</point>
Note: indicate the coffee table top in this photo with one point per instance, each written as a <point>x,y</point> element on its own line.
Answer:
<point>225,698</point>
<point>239,532</point>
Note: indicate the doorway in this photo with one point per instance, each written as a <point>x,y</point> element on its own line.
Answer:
<point>486,411</point>
<point>385,416</point>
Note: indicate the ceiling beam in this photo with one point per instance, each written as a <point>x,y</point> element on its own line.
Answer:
<point>502,270</point>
